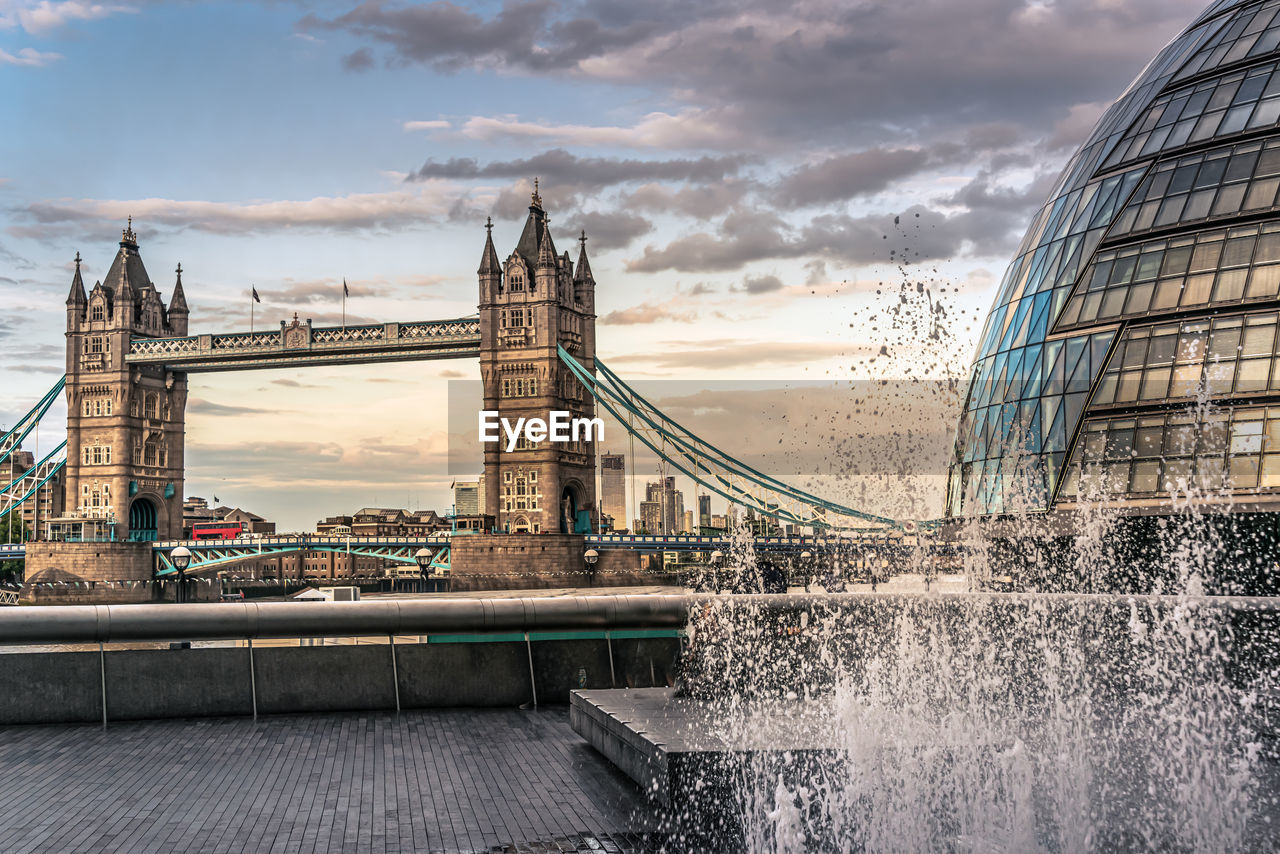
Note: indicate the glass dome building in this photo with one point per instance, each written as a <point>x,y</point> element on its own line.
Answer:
<point>1131,350</point>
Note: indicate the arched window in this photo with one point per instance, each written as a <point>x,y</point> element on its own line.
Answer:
<point>153,406</point>
<point>516,280</point>
<point>87,409</point>
<point>106,407</point>
<point>98,313</point>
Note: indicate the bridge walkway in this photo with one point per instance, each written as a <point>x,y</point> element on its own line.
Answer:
<point>440,781</point>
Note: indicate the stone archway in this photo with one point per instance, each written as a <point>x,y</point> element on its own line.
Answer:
<point>570,507</point>
<point>143,520</point>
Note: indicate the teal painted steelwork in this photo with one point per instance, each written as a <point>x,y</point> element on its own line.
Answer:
<point>13,439</point>
<point>706,464</point>
<point>207,554</point>
<point>24,487</point>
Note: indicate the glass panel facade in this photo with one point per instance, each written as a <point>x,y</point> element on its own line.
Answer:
<point>1133,231</point>
<point>1245,101</point>
<point>1205,449</point>
<point>1218,357</point>
<point>1208,268</point>
<point>1215,185</point>
<point>1027,392</point>
<point>1252,31</point>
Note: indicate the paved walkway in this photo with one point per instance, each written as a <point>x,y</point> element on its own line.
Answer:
<point>440,780</point>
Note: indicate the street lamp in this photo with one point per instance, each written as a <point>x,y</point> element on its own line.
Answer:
<point>423,559</point>
<point>806,565</point>
<point>591,556</point>
<point>181,559</point>
<point>716,557</point>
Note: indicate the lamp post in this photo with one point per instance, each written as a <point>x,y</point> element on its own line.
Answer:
<point>423,558</point>
<point>716,557</point>
<point>181,559</point>
<point>806,567</point>
<point>591,556</point>
<point>873,564</point>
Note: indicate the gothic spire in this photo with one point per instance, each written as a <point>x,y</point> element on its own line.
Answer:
<point>583,273</point>
<point>489,263</point>
<point>77,295</point>
<point>178,302</point>
<point>546,249</point>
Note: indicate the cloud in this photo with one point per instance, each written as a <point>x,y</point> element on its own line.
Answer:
<point>731,353</point>
<point>322,291</point>
<point>690,128</point>
<point>522,34</point>
<point>844,73</point>
<point>356,212</point>
<point>918,234</point>
<point>358,60</point>
<point>28,57</point>
<point>761,284</point>
<point>848,176</point>
<point>450,374</point>
<point>612,229</point>
<point>199,406</point>
<point>700,201</point>
<point>559,166</point>
<point>673,309</point>
<point>288,383</point>
<point>45,16</point>
<point>434,124</point>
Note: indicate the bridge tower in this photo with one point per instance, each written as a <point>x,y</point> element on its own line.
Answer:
<point>533,301</point>
<point>125,424</point>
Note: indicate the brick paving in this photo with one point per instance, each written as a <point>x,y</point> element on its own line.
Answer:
<point>434,781</point>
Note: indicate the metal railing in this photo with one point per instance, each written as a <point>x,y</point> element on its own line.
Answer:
<point>255,620</point>
<point>259,620</point>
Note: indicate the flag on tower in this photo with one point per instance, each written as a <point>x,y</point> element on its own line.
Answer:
<point>256,298</point>
<point>345,292</point>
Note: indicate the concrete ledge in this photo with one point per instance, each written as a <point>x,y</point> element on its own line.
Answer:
<point>50,687</point>
<point>323,679</point>
<point>478,672</point>
<point>175,683</point>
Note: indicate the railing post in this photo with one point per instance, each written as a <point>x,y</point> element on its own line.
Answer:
<point>102,668</point>
<point>395,674</point>
<point>253,681</point>
<point>533,682</point>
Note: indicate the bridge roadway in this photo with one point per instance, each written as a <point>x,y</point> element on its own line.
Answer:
<point>207,554</point>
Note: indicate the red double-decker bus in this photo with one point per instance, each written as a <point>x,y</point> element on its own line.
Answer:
<point>217,530</point>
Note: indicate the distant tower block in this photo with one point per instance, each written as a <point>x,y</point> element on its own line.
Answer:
<point>528,305</point>
<point>124,424</point>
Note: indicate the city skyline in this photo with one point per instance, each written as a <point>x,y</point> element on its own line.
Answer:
<point>735,229</point>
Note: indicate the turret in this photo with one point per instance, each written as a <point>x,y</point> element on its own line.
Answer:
<point>490,267</point>
<point>545,270</point>
<point>178,311</point>
<point>77,300</point>
<point>584,284</point>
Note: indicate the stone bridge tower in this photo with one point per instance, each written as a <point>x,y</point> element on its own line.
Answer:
<point>533,301</point>
<point>125,424</point>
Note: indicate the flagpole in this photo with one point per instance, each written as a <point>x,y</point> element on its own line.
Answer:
<point>344,304</point>
<point>251,302</point>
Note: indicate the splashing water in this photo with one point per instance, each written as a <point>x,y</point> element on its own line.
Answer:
<point>1049,721</point>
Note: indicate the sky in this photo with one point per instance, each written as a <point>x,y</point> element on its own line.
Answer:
<point>777,193</point>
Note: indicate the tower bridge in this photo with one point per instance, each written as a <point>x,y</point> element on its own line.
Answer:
<point>129,354</point>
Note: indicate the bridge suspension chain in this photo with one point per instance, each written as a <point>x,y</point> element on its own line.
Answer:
<point>12,440</point>
<point>712,468</point>
<point>23,487</point>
